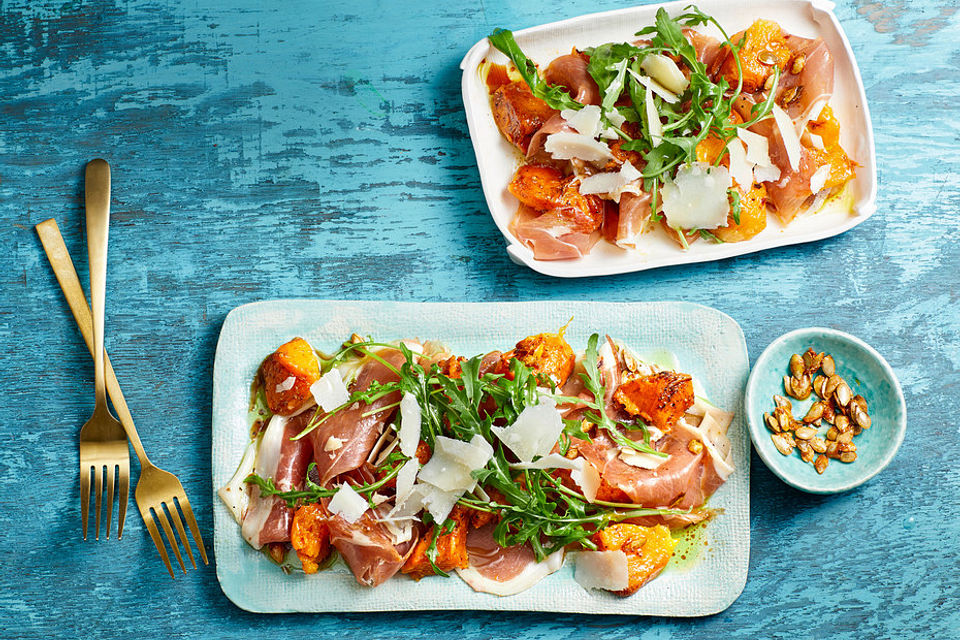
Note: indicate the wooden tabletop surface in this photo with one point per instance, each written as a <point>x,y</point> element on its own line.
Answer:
<point>319,149</point>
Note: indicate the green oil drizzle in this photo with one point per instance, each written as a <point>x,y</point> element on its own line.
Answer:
<point>691,543</point>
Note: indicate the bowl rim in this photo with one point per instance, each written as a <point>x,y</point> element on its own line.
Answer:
<point>755,429</point>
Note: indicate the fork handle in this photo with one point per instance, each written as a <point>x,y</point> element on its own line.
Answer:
<point>66,273</point>
<point>97,193</point>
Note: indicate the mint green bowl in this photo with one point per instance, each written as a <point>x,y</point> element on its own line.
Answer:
<point>867,373</point>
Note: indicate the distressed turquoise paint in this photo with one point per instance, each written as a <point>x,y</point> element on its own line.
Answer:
<point>315,149</point>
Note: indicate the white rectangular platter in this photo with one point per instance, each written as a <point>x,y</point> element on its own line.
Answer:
<point>497,160</point>
<point>706,343</point>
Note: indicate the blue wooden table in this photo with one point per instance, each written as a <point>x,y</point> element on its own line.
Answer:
<point>311,149</point>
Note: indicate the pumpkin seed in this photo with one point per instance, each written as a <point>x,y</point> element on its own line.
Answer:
<point>831,385</point>
<point>848,456</point>
<point>783,418</point>
<point>801,387</point>
<point>814,413</point>
<point>818,383</point>
<point>845,437</point>
<point>811,361</point>
<point>843,394</point>
<point>820,464</point>
<point>862,418</point>
<point>805,433</point>
<point>846,447</point>
<point>806,451</point>
<point>767,58</point>
<point>781,443</point>
<point>796,366</point>
<point>780,401</point>
<point>819,445</point>
<point>829,414</point>
<point>860,402</point>
<point>829,366</point>
<point>768,84</point>
<point>832,433</point>
<point>772,423</point>
<point>842,423</point>
<point>832,450</point>
<point>798,63</point>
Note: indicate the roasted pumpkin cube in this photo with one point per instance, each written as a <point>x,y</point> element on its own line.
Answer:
<point>518,113</point>
<point>827,127</point>
<point>753,216</point>
<point>548,354</point>
<point>310,536</point>
<point>451,549</point>
<point>660,398</point>
<point>648,550</point>
<point>761,48</point>
<point>538,187</point>
<point>287,375</point>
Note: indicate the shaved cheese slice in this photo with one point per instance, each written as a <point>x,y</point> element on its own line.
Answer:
<point>615,117</point>
<point>286,385</point>
<point>587,478</point>
<point>529,576</point>
<point>758,147</point>
<point>407,476</point>
<point>665,71</point>
<point>696,198</point>
<point>614,184</point>
<point>566,145</point>
<point>601,570</point>
<point>409,431</point>
<point>640,459</point>
<point>439,503</point>
<point>348,504</point>
<point>654,126</point>
<point>815,141</point>
<point>410,504</point>
<point>819,178</point>
<point>552,461</point>
<point>656,87</point>
<point>586,121</point>
<point>400,531</point>
<point>329,391</point>
<point>740,168</point>
<point>234,493</point>
<point>789,135</point>
<point>332,444</point>
<point>450,467</point>
<point>535,431</point>
<point>766,174</point>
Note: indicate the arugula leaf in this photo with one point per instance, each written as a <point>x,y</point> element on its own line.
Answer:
<point>557,97</point>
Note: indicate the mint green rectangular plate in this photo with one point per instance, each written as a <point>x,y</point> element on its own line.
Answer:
<point>706,343</point>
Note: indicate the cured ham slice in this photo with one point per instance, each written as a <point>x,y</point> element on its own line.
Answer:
<point>268,519</point>
<point>813,84</point>
<point>570,71</point>
<point>634,214</point>
<point>503,571</point>
<point>356,429</point>
<point>708,48</point>
<point>367,547</point>
<point>551,236</point>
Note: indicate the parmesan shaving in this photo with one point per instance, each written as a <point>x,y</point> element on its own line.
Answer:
<point>819,178</point>
<point>286,385</point>
<point>332,444</point>
<point>410,419</point>
<point>665,71</point>
<point>329,391</point>
<point>740,168</point>
<point>566,145</point>
<point>789,135</point>
<point>535,431</point>
<point>348,504</point>
<point>587,478</point>
<point>640,459</point>
<point>654,126</point>
<point>586,121</point>
<point>696,197</point>
<point>613,184</point>
<point>552,461</point>
<point>453,461</point>
<point>601,570</point>
<point>648,82</point>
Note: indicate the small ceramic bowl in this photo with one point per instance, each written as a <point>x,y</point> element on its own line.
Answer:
<point>868,375</point>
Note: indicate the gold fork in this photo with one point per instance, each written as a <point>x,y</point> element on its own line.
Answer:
<point>156,488</point>
<point>103,444</point>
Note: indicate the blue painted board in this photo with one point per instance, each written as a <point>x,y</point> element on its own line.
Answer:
<point>308,149</point>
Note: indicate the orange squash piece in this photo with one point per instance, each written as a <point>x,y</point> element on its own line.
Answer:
<point>753,216</point>
<point>310,536</point>
<point>518,113</point>
<point>287,374</point>
<point>538,187</point>
<point>548,354</point>
<point>660,398</point>
<point>451,549</point>
<point>648,550</point>
<point>762,46</point>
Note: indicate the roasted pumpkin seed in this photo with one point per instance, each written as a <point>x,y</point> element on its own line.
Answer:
<point>831,385</point>
<point>843,394</point>
<point>796,366</point>
<point>798,63</point>
<point>781,443</point>
<point>832,433</point>
<point>767,58</point>
<point>818,383</point>
<point>819,444</point>
<point>780,401</point>
<point>842,423</point>
<point>848,456</point>
<point>814,413</point>
<point>820,464</point>
<point>771,422</point>
<point>805,433</point>
<point>829,366</point>
<point>811,361</point>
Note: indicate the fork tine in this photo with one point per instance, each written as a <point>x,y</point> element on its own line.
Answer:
<point>183,534</point>
<point>192,523</point>
<point>84,496</point>
<point>162,517</point>
<point>124,480</point>
<point>157,541</point>
<point>98,470</point>
<point>111,472</point>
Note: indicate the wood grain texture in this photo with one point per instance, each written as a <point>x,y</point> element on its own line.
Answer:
<point>311,149</point>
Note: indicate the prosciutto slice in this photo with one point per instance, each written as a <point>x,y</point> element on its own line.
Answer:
<point>367,547</point>
<point>814,83</point>
<point>570,71</point>
<point>707,47</point>
<point>357,427</point>
<point>503,571</point>
<point>268,519</point>
<point>551,236</point>
<point>634,213</point>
